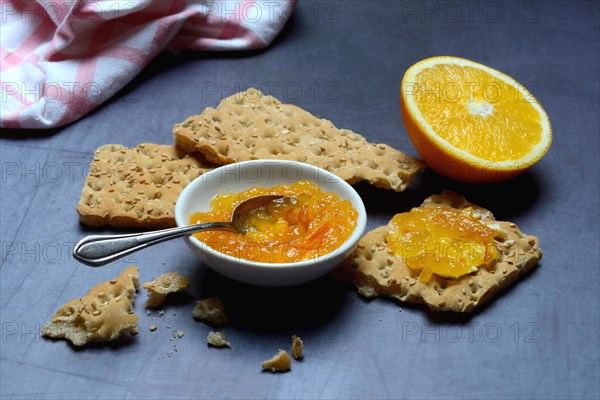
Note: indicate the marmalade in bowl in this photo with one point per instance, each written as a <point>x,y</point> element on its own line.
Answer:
<point>307,224</point>
<point>441,241</point>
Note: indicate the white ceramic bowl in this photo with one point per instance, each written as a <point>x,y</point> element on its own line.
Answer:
<point>237,177</point>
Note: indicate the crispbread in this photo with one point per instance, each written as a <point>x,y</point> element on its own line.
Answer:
<point>297,349</point>
<point>103,314</point>
<point>165,284</point>
<point>375,271</point>
<point>250,125</point>
<point>136,187</point>
<point>217,339</point>
<point>280,362</point>
<point>210,310</point>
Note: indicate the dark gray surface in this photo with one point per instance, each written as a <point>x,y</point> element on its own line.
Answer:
<point>343,61</point>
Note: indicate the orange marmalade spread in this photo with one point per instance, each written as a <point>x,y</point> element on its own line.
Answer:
<point>308,224</point>
<point>443,241</point>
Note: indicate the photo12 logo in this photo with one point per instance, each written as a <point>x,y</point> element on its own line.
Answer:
<point>286,92</point>
<point>476,332</point>
<point>46,252</point>
<point>46,172</point>
<point>241,12</point>
<point>478,96</point>
<point>20,332</point>
<point>455,12</point>
<point>270,173</point>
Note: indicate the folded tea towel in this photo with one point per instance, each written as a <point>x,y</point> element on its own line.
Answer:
<point>60,59</point>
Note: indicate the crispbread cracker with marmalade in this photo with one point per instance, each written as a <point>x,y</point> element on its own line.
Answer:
<point>250,125</point>
<point>102,315</point>
<point>136,187</point>
<point>377,272</point>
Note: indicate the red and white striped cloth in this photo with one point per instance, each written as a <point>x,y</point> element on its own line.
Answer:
<point>60,59</point>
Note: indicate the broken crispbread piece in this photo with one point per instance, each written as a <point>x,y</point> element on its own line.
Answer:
<point>210,310</point>
<point>250,125</point>
<point>136,187</point>
<point>158,289</point>
<point>377,272</point>
<point>297,347</point>
<point>217,339</point>
<point>280,362</point>
<point>102,315</point>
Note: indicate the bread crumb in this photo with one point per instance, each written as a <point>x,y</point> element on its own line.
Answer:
<point>152,328</point>
<point>217,339</point>
<point>102,315</point>
<point>180,334</point>
<point>280,362</point>
<point>210,310</point>
<point>158,289</point>
<point>297,348</point>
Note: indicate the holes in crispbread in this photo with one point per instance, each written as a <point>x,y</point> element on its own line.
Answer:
<point>223,149</point>
<point>439,290</point>
<point>474,288</point>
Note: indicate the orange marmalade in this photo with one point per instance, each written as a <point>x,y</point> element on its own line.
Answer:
<point>308,224</point>
<point>441,241</point>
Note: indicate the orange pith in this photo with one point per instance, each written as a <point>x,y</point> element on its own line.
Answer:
<point>441,241</point>
<point>470,122</point>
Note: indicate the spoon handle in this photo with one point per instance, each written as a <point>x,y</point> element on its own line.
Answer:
<point>98,250</point>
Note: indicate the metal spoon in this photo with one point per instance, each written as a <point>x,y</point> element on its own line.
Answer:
<point>98,250</point>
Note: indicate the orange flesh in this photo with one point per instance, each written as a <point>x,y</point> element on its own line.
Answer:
<point>452,99</point>
<point>441,241</point>
<point>310,224</point>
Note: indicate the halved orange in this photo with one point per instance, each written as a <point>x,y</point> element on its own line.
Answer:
<point>470,122</point>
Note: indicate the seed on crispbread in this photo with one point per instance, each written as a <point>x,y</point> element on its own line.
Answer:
<point>136,187</point>
<point>102,315</point>
<point>377,272</point>
<point>250,125</point>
